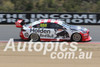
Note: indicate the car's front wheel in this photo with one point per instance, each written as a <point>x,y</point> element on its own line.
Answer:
<point>34,37</point>
<point>76,37</point>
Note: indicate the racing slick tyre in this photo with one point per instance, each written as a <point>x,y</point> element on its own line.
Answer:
<point>76,37</point>
<point>34,37</point>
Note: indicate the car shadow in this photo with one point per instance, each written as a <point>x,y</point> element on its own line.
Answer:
<point>20,40</point>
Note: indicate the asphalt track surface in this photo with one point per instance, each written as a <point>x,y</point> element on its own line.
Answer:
<point>10,31</point>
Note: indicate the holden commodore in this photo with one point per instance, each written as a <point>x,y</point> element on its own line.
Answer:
<point>52,30</point>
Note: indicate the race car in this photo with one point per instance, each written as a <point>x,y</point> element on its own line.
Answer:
<point>52,30</point>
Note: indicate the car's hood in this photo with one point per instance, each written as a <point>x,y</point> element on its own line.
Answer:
<point>73,27</point>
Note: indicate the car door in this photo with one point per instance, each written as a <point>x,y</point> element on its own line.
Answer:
<point>44,31</point>
<point>59,31</point>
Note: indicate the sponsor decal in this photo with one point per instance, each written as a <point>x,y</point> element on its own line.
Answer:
<point>43,25</point>
<point>61,33</point>
<point>47,35</point>
<point>39,30</point>
<point>42,32</point>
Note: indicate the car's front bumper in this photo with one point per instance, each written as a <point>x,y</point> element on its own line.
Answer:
<point>87,39</point>
<point>86,36</point>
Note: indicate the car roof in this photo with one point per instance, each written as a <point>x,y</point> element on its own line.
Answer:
<point>48,21</point>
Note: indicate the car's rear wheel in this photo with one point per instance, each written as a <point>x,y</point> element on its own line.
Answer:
<point>34,37</point>
<point>76,37</point>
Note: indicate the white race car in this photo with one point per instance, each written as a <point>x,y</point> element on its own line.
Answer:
<point>52,30</point>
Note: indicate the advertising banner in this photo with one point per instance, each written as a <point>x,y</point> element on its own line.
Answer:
<point>70,18</point>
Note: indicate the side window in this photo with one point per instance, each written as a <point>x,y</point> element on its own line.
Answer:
<point>42,25</point>
<point>37,26</point>
<point>55,26</point>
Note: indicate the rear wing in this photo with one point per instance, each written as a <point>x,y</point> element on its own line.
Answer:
<point>19,23</point>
